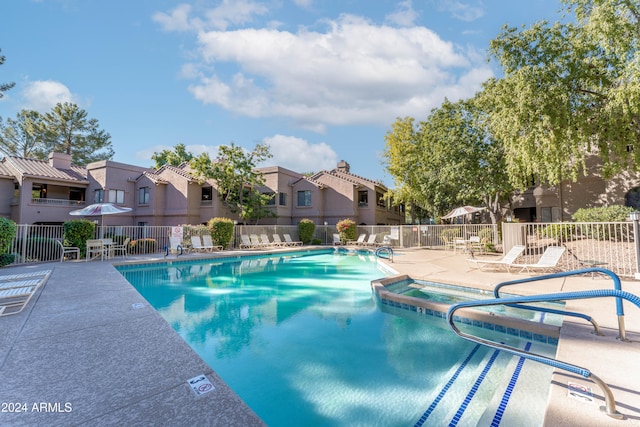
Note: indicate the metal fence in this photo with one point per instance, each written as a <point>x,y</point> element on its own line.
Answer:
<point>609,245</point>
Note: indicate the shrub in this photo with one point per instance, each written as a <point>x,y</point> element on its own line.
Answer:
<point>306,228</point>
<point>143,246</point>
<point>77,232</point>
<point>614,213</point>
<point>6,259</point>
<point>316,242</point>
<point>559,232</point>
<point>7,233</point>
<point>347,230</point>
<point>221,230</point>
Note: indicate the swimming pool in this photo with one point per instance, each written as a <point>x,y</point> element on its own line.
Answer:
<point>301,339</point>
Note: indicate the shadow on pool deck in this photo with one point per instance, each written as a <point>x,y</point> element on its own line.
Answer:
<point>89,350</point>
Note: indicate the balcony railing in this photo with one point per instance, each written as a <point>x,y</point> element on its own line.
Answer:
<point>57,202</point>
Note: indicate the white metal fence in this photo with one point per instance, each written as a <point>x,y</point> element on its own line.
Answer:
<point>609,245</point>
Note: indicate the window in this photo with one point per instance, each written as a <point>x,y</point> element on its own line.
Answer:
<point>272,199</point>
<point>207,193</point>
<point>304,198</point>
<point>380,200</point>
<point>116,196</point>
<point>39,191</point>
<point>550,214</point>
<point>363,198</point>
<point>143,196</point>
<point>283,199</point>
<point>98,196</point>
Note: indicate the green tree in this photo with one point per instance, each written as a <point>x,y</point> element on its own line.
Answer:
<point>401,154</point>
<point>174,157</point>
<point>450,159</point>
<point>20,136</point>
<point>67,129</point>
<point>4,86</point>
<point>237,180</point>
<point>569,90</point>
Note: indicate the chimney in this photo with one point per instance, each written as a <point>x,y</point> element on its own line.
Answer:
<point>60,160</point>
<point>343,166</point>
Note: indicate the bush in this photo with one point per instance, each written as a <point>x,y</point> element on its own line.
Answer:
<point>316,242</point>
<point>306,228</point>
<point>144,246</point>
<point>347,230</point>
<point>6,259</point>
<point>450,234</point>
<point>614,213</point>
<point>559,232</point>
<point>8,230</point>
<point>221,230</point>
<point>77,232</point>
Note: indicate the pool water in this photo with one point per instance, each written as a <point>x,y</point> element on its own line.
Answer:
<point>302,340</point>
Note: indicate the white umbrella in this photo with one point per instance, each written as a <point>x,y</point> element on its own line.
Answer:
<point>462,211</point>
<point>101,209</point>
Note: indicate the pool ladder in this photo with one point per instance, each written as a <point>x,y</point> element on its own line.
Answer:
<point>385,252</point>
<point>617,292</point>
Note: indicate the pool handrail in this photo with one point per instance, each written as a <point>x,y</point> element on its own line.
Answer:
<point>610,404</point>
<point>389,252</point>
<point>617,285</point>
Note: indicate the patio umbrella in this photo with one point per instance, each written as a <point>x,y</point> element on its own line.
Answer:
<point>462,211</point>
<point>100,209</point>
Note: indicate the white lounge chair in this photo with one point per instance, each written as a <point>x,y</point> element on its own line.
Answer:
<point>16,294</point>
<point>336,239</point>
<point>175,246</point>
<point>278,241</point>
<point>245,242</point>
<point>359,241</point>
<point>507,260</point>
<point>547,262</point>
<point>287,238</point>
<point>255,241</point>
<point>207,243</point>
<point>371,241</point>
<point>196,244</point>
<point>266,242</point>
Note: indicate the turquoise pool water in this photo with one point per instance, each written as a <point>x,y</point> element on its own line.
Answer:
<point>302,341</point>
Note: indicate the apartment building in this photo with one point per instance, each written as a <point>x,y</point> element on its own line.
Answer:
<point>45,192</point>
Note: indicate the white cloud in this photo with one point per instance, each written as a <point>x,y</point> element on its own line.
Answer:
<point>405,16</point>
<point>227,13</point>
<point>300,155</point>
<point>464,11</point>
<point>353,73</point>
<point>43,95</point>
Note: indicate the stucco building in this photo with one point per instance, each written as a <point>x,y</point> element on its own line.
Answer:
<point>45,192</point>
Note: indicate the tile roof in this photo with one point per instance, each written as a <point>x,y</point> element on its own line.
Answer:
<point>152,177</point>
<point>42,168</point>
<point>346,176</point>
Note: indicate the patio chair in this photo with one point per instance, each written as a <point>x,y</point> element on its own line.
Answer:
<point>475,244</point>
<point>357,242</point>
<point>278,241</point>
<point>175,246</point>
<point>245,242</point>
<point>255,241</point>
<point>196,244</point>
<point>371,241</point>
<point>16,293</point>
<point>95,249</point>
<point>68,250</point>
<point>287,238</point>
<point>507,260</point>
<point>122,248</point>
<point>266,242</point>
<point>336,239</point>
<point>207,243</point>
<point>547,262</point>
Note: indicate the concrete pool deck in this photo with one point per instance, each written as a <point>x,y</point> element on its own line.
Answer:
<point>89,350</point>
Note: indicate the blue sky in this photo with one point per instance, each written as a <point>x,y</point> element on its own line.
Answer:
<point>317,80</point>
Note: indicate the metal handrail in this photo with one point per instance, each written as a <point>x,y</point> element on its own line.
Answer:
<point>389,252</point>
<point>617,285</point>
<point>610,404</point>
